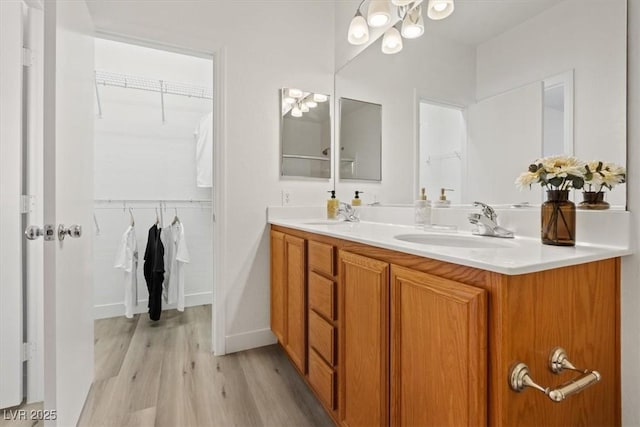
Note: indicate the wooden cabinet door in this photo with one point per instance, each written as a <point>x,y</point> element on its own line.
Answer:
<point>438,351</point>
<point>278,287</point>
<point>363,304</point>
<point>296,297</point>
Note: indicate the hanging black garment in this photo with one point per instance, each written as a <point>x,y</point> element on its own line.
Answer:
<point>154,271</point>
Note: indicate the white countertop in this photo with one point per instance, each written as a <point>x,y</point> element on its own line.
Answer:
<point>521,254</point>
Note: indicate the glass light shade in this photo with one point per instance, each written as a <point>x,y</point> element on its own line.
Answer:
<point>440,9</point>
<point>379,13</point>
<point>304,108</point>
<point>296,112</point>
<point>413,24</point>
<point>401,2</point>
<point>391,42</point>
<point>358,30</point>
<point>288,100</point>
<point>295,93</point>
<point>309,102</point>
<point>318,97</point>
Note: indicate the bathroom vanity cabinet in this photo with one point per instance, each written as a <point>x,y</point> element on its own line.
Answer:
<point>389,338</point>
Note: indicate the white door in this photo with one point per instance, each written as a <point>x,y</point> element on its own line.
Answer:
<point>10,190</point>
<point>68,199</point>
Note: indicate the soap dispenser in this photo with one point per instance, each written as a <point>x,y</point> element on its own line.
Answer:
<point>422,209</point>
<point>357,201</point>
<point>442,202</point>
<point>332,205</point>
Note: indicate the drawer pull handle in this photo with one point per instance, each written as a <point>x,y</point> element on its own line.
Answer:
<point>520,378</point>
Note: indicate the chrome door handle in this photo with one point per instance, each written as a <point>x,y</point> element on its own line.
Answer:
<point>74,231</point>
<point>33,232</point>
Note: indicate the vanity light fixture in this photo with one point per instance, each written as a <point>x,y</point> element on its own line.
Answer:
<point>296,111</point>
<point>358,29</point>
<point>440,9</point>
<point>379,13</point>
<point>309,102</point>
<point>318,97</point>
<point>410,14</point>
<point>413,24</point>
<point>295,93</point>
<point>391,41</point>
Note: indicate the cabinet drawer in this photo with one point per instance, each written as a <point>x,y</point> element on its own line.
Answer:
<point>321,295</point>
<point>321,258</point>
<point>322,379</point>
<point>322,337</point>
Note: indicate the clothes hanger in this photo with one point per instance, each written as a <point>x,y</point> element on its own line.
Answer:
<point>157,217</point>
<point>133,221</point>
<point>176,219</point>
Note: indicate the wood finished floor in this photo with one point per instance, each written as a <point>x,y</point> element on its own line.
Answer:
<point>163,374</point>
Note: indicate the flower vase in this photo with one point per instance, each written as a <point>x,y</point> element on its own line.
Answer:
<point>593,200</point>
<point>558,215</point>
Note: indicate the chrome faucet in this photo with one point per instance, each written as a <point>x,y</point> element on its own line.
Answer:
<point>348,212</point>
<point>486,222</point>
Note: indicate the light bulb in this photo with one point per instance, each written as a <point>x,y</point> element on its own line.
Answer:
<point>318,97</point>
<point>391,42</point>
<point>413,24</point>
<point>295,93</point>
<point>439,9</point>
<point>358,30</point>
<point>296,112</point>
<point>379,13</point>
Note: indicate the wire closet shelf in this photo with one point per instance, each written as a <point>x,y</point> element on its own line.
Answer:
<point>108,78</point>
<point>100,204</point>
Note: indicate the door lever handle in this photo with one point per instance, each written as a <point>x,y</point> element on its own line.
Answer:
<point>74,231</point>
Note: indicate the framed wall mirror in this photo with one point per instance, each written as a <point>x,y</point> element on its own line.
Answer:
<point>360,140</point>
<point>305,134</point>
<point>517,81</point>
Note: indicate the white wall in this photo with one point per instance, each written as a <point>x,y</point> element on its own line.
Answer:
<point>440,69</point>
<point>631,265</point>
<point>575,34</point>
<point>138,157</point>
<point>267,45</point>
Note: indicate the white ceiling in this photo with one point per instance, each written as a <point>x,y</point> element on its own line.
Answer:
<point>476,21</point>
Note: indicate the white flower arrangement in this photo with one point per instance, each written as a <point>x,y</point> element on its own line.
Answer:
<point>600,175</point>
<point>554,173</point>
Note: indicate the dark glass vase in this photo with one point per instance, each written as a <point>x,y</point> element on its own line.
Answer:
<point>558,217</point>
<point>593,200</point>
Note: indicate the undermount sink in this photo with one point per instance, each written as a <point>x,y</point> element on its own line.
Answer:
<point>455,241</point>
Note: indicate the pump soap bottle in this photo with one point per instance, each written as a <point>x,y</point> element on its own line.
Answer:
<point>332,205</point>
<point>357,201</point>
<point>422,209</point>
<point>442,202</point>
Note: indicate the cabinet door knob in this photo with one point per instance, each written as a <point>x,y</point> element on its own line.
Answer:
<point>520,378</point>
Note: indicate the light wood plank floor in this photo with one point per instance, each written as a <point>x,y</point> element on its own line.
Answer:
<point>163,374</point>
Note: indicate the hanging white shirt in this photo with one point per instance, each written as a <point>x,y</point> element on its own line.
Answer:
<point>127,260</point>
<point>176,255</point>
<point>204,151</point>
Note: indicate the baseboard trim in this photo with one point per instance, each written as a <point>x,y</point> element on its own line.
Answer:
<point>248,340</point>
<point>104,311</point>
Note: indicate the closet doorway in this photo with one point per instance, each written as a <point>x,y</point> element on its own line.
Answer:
<point>153,164</point>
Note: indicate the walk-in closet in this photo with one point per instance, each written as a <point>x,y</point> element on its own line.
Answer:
<point>153,171</point>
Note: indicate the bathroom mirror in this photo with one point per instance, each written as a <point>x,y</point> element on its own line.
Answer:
<point>360,140</point>
<point>504,70</point>
<point>305,134</point>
